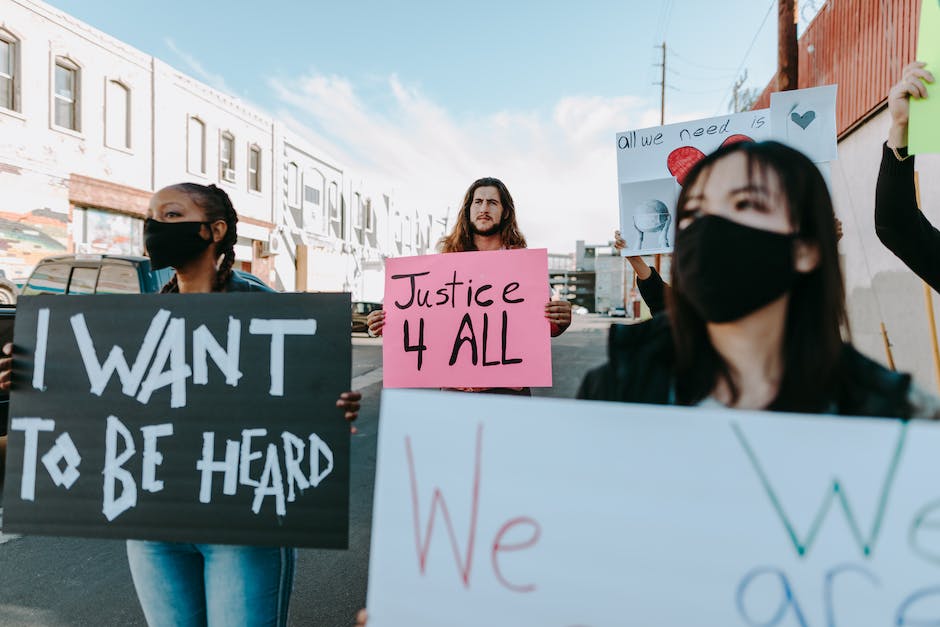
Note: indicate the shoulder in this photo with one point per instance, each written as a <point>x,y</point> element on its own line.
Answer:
<point>870,389</point>
<point>639,366</point>
<point>238,283</point>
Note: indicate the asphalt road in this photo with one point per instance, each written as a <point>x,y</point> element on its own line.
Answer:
<point>69,581</point>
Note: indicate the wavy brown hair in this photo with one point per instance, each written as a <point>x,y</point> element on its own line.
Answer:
<point>461,238</point>
<point>816,323</point>
<point>218,206</point>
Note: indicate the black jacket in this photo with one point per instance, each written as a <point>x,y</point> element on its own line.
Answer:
<point>900,225</point>
<point>640,370</point>
<point>653,291</point>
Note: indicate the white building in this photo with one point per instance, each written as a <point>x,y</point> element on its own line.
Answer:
<point>90,127</point>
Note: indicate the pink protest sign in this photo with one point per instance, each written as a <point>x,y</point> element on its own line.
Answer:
<point>474,319</point>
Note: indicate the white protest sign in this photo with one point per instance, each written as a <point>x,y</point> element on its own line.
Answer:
<point>806,120</point>
<point>652,163</point>
<point>672,150</point>
<point>495,511</point>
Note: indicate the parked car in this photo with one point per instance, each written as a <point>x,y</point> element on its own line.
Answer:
<point>101,274</point>
<point>360,312</point>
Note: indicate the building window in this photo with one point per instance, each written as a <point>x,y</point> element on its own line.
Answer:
<point>293,185</point>
<point>367,214</point>
<point>67,89</point>
<point>254,168</point>
<point>8,66</point>
<point>311,195</point>
<point>357,210</point>
<point>334,205</point>
<point>227,157</point>
<point>118,103</point>
<point>196,146</point>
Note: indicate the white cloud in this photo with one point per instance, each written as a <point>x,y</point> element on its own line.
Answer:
<point>560,168</point>
<point>216,81</point>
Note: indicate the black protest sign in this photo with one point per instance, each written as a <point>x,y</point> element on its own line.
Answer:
<point>192,418</point>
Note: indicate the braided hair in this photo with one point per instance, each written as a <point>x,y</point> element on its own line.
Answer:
<point>218,206</point>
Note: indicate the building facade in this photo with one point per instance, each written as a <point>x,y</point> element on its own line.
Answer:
<point>91,127</point>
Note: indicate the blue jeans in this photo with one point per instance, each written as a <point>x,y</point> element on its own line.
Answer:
<point>198,585</point>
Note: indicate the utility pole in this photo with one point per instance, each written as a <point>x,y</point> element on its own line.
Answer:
<point>787,47</point>
<point>662,121</point>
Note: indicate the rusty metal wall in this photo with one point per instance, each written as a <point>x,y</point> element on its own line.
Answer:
<point>861,45</point>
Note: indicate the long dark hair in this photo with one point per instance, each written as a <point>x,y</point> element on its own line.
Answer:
<point>816,322</point>
<point>460,238</point>
<point>218,206</point>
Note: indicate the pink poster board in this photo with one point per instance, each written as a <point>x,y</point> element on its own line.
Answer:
<point>474,319</point>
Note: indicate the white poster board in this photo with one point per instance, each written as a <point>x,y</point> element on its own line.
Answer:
<point>495,511</point>
<point>804,119</point>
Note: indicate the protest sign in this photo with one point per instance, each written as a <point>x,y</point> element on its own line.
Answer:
<point>512,511</point>
<point>474,319</point>
<point>805,119</point>
<point>672,150</point>
<point>924,129</point>
<point>652,163</point>
<point>191,418</point>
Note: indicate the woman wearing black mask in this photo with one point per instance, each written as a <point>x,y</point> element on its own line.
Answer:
<point>756,315</point>
<point>192,228</point>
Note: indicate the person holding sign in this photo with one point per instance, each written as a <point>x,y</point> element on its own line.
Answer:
<point>192,228</point>
<point>651,285</point>
<point>900,226</point>
<point>756,317</point>
<point>487,222</point>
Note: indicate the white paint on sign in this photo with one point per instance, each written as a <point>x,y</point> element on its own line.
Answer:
<point>30,428</point>
<point>277,329</point>
<point>42,340</point>
<point>114,472</point>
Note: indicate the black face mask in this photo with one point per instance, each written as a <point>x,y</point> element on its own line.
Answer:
<point>173,243</point>
<point>728,270</point>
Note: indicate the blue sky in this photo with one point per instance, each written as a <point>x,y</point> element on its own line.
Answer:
<point>427,96</point>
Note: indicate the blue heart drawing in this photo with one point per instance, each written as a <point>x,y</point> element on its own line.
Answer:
<point>803,120</point>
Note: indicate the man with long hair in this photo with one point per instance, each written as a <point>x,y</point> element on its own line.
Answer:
<point>487,221</point>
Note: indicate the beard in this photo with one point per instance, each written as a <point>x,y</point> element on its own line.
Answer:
<point>487,232</point>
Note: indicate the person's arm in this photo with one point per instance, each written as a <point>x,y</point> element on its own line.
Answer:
<point>652,291</point>
<point>651,286</point>
<point>900,225</point>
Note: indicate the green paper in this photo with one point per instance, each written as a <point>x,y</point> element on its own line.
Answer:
<point>924,129</point>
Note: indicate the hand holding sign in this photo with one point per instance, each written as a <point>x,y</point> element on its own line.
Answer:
<point>6,367</point>
<point>913,84</point>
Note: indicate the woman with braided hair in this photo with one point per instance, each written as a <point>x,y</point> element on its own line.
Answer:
<point>192,228</point>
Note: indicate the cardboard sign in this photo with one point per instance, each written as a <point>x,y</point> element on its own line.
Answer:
<point>190,418</point>
<point>474,319</point>
<point>503,511</point>
<point>806,120</point>
<point>924,129</point>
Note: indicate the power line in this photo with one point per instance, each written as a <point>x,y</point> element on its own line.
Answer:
<point>695,64</point>
<point>749,48</point>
